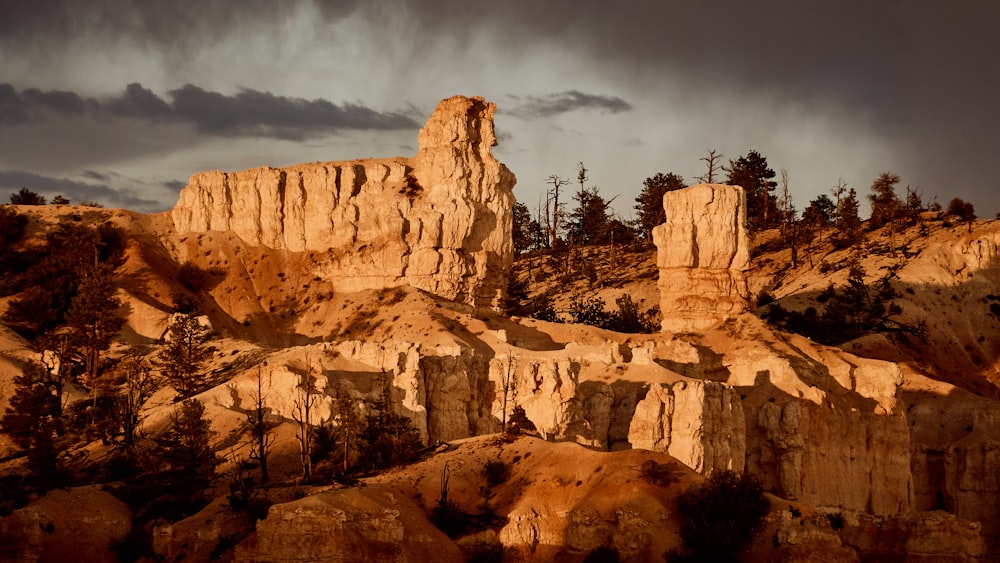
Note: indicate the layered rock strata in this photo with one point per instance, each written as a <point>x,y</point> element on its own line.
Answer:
<point>439,221</point>
<point>703,252</point>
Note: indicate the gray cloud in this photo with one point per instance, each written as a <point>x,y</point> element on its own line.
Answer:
<point>253,113</point>
<point>563,102</point>
<point>249,113</point>
<point>914,73</point>
<point>76,191</point>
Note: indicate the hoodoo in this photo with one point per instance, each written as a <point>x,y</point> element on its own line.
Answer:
<point>703,252</point>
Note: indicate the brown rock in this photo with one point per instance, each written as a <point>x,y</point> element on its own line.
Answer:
<point>79,524</point>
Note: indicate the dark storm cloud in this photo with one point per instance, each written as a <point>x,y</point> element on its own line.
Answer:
<point>253,113</point>
<point>13,109</point>
<point>175,185</point>
<point>562,102</point>
<point>176,26</point>
<point>249,113</point>
<point>13,180</point>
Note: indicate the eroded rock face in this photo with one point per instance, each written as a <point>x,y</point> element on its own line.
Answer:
<point>440,221</point>
<point>703,252</point>
<point>66,525</point>
<point>698,422</point>
<point>370,524</point>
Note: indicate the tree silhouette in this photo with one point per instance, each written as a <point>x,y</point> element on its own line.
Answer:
<point>713,167</point>
<point>962,209</point>
<point>649,203</point>
<point>184,452</point>
<point>33,419</point>
<point>183,358</point>
<point>885,205</point>
<point>752,173</point>
<point>26,197</point>
<point>93,318</point>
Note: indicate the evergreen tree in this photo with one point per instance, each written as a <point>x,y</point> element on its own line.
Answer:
<point>885,205</point>
<point>820,212</point>
<point>93,317</point>
<point>649,203</point>
<point>848,223</point>
<point>26,197</point>
<point>33,420</point>
<point>183,358</point>
<point>51,283</point>
<point>390,439</point>
<point>347,435</point>
<point>184,452</point>
<point>752,173</point>
<point>588,222</point>
<point>527,234</point>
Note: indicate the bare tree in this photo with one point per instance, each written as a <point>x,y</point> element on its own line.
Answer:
<point>713,165</point>
<point>789,225</point>
<point>260,425</point>
<point>137,387</point>
<point>553,209</point>
<point>302,415</point>
<point>507,392</point>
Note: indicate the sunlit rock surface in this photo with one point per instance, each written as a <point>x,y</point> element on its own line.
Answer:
<point>439,221</point>
<point>703,252</point>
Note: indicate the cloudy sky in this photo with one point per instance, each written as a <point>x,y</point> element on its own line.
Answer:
<point>120,102</point>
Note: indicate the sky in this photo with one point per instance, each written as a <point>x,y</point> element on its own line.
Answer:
<point>120,102</point>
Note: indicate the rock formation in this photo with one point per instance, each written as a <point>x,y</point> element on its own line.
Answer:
<point>370,524</point>
<point>703,252</point>
<point>440,221</point>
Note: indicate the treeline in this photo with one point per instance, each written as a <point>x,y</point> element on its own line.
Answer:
<point>554,225</point>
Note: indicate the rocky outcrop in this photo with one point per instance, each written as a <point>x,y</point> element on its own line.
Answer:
<point>703,253</point>
<point>700,423</point>
<point>369,524</point>
<point>66,525</point>
<point>440,221</point>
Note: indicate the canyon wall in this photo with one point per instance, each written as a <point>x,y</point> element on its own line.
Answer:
<point>439,221</point>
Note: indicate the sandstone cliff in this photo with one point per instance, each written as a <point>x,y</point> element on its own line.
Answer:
<point>703,252</point>
<point>440,221</point>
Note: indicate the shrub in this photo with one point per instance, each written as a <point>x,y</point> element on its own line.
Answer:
<point>720,517</point>
<point>659,474</point>
<point>192,277</point>
<point>496,472</point>
<point>836,520</point>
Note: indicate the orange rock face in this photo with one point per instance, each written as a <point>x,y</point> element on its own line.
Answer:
<point>440,221</point>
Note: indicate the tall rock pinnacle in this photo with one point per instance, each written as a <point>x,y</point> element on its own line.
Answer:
<point>703,252</point>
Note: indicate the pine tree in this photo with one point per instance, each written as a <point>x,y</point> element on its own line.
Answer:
<point>33,420</point>
<point>588,222</point>
<point>183,358</point>
<point>885,205</point>
<point>527,234</point>
<point>649,204</point>
<point>184,451</point>
<point>93,317</point>
<point>390,439</point>
<point>848,223</point>
<point>752,173</point>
